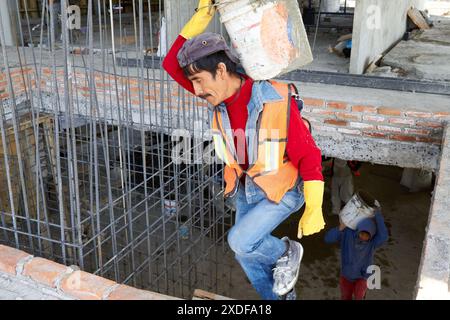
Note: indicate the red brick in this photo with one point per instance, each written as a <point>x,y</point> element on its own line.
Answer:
<point>87,89</point>
<point>365,109</point>
<point>336,122</point>
<point>123,292</point>
<point>422,132</point>
<point>323,112</point>
<point>389,129</point>
<point>418,114</point>
<point>86,286</point>
<point>429,140</point>
<point>349,116</point>
<point>133,82</point>
<point>135,89</point>
<point>9,257</point>
<point>337,105</point>
<point>44,271</point>
<point>16,72</point>
<point>441,114</point>
<point>374,134</point>
<point>405,121</point>
<point>374,118</point>
<point>401,137</point>
<point>389,111</point>
<point>149,97</point>
<point>313,102</point>
<point>430,124</point>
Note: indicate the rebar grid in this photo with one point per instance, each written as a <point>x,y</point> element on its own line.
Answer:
<point>88,172</point>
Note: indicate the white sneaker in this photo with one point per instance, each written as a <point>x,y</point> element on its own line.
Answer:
<point>285,273</point>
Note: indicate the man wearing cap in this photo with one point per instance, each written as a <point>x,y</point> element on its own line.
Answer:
<point>272,164</point>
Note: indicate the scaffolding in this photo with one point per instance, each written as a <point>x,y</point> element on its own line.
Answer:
<point>89,169</point>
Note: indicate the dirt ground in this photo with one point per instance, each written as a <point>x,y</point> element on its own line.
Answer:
<point>406,216</point>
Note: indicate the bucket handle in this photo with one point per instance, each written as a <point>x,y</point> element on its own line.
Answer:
<point>219,3</point>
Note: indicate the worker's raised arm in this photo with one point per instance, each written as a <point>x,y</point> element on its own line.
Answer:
<point>333,235</point>
<point>382,234</point>
<point>196,25</point>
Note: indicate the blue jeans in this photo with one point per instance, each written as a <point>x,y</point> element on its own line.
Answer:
<point>256,250</point>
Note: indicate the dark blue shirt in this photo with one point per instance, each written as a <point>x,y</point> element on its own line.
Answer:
<point>357,255</point>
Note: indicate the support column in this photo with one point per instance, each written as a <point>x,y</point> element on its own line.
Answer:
<point>8,21</point>
<point>433,282</point>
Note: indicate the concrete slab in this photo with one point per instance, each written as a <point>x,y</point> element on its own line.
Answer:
<point>426,56</point>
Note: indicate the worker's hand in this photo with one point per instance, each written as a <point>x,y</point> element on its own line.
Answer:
<point>342,225</point>
<point>200,20</point>
<point>312,219</point>
<point>377,205</point>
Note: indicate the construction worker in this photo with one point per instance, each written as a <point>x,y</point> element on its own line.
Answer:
<point>357,251</point>
<point>268,152</point>
<point>342,188</point>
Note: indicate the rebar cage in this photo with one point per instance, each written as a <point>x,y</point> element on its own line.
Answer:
<point>90,168</point>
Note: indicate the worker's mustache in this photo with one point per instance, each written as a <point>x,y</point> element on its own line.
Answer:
<point>204,96</point>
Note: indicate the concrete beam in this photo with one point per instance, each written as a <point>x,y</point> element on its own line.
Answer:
<point>434,271</point>
<point>400,154</point>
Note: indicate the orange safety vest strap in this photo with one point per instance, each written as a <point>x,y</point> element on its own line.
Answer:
<point>272,170</point>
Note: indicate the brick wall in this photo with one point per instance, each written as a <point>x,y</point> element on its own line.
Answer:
<point>379,122</point>
<point>67,281</point>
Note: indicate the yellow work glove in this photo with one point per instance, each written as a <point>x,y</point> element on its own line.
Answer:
<point>312,219</point>
<point>200,20</point>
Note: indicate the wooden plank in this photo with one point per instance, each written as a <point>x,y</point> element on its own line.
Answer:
<point>373,65</point>
<point>417,18</point>
<point>205,295</point>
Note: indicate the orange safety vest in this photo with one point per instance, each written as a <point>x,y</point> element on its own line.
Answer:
<point>272,171</point>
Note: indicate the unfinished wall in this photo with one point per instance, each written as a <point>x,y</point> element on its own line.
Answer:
<point>377,25</point>
<point>379,126</point>
<point>434,273</point>
<point>23,276</point>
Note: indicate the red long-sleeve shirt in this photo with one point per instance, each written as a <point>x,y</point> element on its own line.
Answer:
<point>301,148</point>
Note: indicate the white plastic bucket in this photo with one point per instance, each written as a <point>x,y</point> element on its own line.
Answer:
<point>359,207</point>
<point>269,36</point>
<point>331,6</point>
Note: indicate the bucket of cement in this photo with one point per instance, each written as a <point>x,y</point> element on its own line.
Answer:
<point>360,206</point>
<point>269,36</point>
